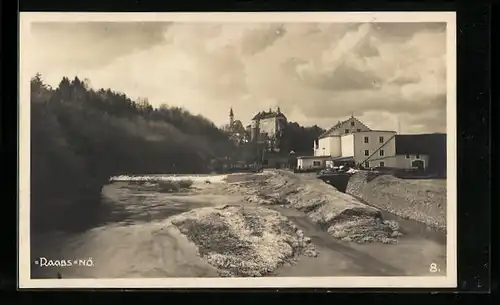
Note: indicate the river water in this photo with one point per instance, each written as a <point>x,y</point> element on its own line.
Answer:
<point>129,239</point>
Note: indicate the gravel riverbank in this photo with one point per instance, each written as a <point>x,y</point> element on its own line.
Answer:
<point>341,215</point>
<point>243,241</point>
<point>267,224</point>
<point>420,200</point>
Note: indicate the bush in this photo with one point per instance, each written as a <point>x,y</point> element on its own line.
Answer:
<point>185,184</point>
<point>169,186</point>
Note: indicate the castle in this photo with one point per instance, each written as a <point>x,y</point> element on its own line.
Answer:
<point>266,127</point>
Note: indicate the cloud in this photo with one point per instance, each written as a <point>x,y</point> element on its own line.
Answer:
<point>317,73</point>
<point>93,44</point>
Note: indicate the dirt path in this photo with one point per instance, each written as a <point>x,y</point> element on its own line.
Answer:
<point>134,242</point>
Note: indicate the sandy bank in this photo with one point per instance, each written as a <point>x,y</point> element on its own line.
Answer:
<point>194,178</point>
<point>420,200</point>
<point>243,241</point>
<point>341,215</point>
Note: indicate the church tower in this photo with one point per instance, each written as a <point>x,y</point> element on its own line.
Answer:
<point>231,117</point>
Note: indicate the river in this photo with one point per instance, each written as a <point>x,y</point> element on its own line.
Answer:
<point>127,239</point>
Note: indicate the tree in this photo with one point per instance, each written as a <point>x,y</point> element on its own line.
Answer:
<point>81,137</point>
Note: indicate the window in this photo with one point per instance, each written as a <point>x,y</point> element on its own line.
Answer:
<point>407,156</point>
<point>417,156</point>
<point>358,130</point>
<point>382,164</point>
<point>381,152</point>
<point>352,123</point>
<point>347,131</point>
<point>366,139</point>
<point>316,163</point>
<point>367,164</point>
<point>367,153</point>
<point>381,139</point>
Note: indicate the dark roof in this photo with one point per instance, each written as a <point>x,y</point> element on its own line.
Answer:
<point>267,115</point>
<point>433,145</point>
<point>371,130</point>
<point>313,157</point>
<point>342,158</point>
<point>420,143</point>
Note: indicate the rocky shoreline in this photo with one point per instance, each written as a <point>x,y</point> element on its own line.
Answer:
<point>343,216</point>
<point>420,200</point>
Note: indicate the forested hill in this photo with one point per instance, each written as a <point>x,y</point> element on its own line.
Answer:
<point>80,137</point>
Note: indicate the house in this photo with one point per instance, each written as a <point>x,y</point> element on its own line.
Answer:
<point>275,160</point>
<point>271,124</point>
<point>311,162</point>
<point>329,144</point>
<point>427,151</point>
<point>352,142</point>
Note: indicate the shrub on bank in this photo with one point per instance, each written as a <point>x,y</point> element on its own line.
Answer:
<point>168,186</point>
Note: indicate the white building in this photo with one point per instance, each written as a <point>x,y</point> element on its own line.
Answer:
<point>412,161</point>
<point>371,148</point>
<point>329,143</point>
<point>351,141</point>
<point>312,162</point>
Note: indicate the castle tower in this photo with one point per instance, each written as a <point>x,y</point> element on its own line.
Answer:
<point>231,117</point>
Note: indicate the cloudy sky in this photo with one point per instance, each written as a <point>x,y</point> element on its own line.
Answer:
<point>318,73</point>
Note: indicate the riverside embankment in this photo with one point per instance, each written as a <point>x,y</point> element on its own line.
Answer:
<point>422,200</point>
<point>269,224</point>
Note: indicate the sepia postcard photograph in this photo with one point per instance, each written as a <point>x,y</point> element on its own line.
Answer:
<point>237,150</point>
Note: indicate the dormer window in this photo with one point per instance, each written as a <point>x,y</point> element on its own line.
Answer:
<point>352,123</point>
<point>347,131</point>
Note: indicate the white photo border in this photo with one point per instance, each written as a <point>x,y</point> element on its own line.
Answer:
<point>24,263</point>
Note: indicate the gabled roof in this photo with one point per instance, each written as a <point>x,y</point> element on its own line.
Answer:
<point>339,125</point>
<point>267,115</point>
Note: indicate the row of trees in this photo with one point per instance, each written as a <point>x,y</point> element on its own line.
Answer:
<point>80,137</point>
<point>298,138</point>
